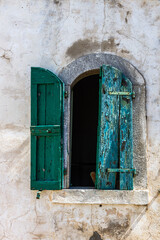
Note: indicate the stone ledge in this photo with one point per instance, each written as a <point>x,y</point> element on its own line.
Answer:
<point>94,196</point>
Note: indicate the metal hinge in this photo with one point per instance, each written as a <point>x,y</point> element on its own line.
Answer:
<point>122,93</point>
<point>66,94</point>
<point>121,170</point>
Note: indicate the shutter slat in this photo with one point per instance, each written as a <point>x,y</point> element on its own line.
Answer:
<point>33,138</point>
<point>53,99</point>
<point>126,136</point>
<point>107,149</point>
<point>41,120</point>
<point>33,157</point>
<point>41,104</point>
<point>50,171</point>
<point>40,157</point>
<point>33,104</point>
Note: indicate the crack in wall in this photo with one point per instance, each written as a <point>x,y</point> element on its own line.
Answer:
<point>6,54</point>
<point>131,37</point>
<point>137,220</point>
<point>104,21</point>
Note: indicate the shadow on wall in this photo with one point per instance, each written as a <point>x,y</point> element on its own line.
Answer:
<point>85,46</point>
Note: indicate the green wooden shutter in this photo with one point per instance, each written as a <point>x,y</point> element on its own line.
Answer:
<point>46,130</point>
<point>114,144</point>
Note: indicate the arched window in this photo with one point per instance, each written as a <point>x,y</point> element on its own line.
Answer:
<point>102,139</point>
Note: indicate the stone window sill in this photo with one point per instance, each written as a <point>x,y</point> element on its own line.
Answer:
<point>94,196</point>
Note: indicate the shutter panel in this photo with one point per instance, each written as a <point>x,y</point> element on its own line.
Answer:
<point>126,136</point>
<point>46,130</point>
<point>114,141</point>
<point>107,143</point>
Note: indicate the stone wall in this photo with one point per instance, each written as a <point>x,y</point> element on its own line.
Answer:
<point>51,34</point>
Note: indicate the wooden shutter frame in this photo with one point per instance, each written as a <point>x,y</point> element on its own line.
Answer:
<point>107,169</point>
<point>44,77</point>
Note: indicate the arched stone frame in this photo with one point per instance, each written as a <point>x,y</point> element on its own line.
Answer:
<point>88,65</point>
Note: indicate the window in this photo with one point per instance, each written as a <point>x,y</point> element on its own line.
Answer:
<point>110,152</point>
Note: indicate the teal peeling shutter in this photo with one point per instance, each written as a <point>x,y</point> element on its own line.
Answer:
<point>126,136</point>
<point>114,144</point>
<point>46,130</point>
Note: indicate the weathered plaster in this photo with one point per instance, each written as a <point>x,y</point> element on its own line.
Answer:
<point>44,34</point>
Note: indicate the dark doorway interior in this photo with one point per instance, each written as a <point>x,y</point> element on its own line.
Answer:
<point>84,131</point>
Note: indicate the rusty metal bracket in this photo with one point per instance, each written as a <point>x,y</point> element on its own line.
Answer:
<point>121,170</point>
<point>44,130</point>
<point>122,93</point>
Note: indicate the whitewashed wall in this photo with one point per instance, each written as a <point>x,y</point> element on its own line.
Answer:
<point>51,34</point>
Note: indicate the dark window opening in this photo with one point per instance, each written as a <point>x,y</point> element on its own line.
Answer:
<point>84,131</point>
